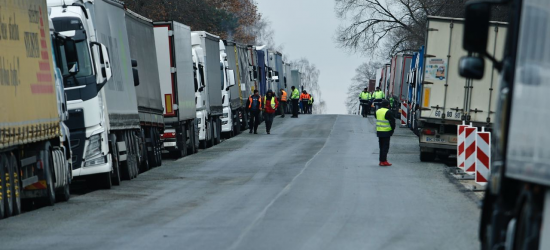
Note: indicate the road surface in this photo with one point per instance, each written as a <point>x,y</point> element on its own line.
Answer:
<point>314,183</point>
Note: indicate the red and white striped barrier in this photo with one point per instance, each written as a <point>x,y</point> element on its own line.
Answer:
<point>483,157</point>
<point>470,149</point>
<point>403,114</point>
<point>460,145</point>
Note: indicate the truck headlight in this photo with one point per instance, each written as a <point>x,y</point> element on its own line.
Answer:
<point>96,161</point>
<point>94,147</point>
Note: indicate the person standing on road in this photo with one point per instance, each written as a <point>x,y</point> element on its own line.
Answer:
<point>304,98</point>
<point>364,99</point>
<point>378,97</point>
<point>310,104</point>
<point>385,125</point>
<point>254,105</point>
<point>271,105</point>
<point>295,97</point>
<point>284,98</point>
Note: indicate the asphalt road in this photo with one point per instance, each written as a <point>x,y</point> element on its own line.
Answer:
<point>314,183</point>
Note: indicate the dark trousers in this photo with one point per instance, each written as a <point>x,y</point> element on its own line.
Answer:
<point>384,143</point>
<point>254,120</point>
<point>295,107</point>
<point>310,108</point>
<point>365,108</point>
<point>269,121</point>
<point>282,107</point>
<point>304,107</point>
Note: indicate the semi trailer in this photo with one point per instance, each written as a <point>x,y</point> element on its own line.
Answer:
<point>35,155</point>
<point>177,87</point>
<point>103,112</point>
<point>447,99</point>
<point>516,206</point>
<point>237,93</point>
<point>206,54</point>
<point>141,39</point>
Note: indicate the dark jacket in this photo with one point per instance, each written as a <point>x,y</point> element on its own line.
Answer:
<point>389,117</point>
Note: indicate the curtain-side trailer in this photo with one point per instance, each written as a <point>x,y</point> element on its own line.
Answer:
<point>141,37</point>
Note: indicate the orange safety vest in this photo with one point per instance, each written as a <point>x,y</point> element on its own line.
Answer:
<point>250,102</point>
<point>283,96</point>
<point>304,97</point>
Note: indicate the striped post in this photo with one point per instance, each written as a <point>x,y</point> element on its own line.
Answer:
<point>470,149</point>
<point>483,157</point>
<point>403,114</point>
<point>460,145</point>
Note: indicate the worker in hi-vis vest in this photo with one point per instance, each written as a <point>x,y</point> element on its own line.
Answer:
<point>271,105</point>
<point>364,101</point>
<point>304,98</point>
<point>310,104</point>
<point>385,125</point>
<point>295,97</point>
<point>378,97</point>
<point>254,105</point>
<point>284,98</point>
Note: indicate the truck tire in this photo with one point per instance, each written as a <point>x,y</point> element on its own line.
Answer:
<point>46,157</point>
<point>211,139</point>
<point>3,188</point>
<point>135,157</point>
<point>16,186</point>
<point>237,124</point>
<point>63,193</point>
<point>151,155</point>
<point>158,148</point>
<point>427,157</point>
<point>215,127</point>
<point>144,154</point>
<point>115,161</point>
<point>181,139</point>
<point>126,166</point>
<point>196,135</point>
<point>191,140</point>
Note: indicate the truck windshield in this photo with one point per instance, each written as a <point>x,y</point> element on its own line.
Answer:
<point>79,54</point>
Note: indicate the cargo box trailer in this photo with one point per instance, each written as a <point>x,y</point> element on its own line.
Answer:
<point>448,99</point>
<point>177,87</point>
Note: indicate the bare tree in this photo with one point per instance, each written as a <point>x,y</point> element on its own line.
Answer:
<point>391,26</point>
<point>363,73</point>
<point>310,82</point>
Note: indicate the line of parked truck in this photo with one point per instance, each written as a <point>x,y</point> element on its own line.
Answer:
<point>437,98</point>
<point>91,89</point>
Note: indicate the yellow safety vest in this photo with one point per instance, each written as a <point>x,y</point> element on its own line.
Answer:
<point>382,125</point>
<point>295,94</point>
<point>364,95</point>
<point>272,101</point>
<point>378,95</point>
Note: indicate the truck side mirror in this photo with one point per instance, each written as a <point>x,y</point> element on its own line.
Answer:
<point>134,63</point>
<point>472,67</point>
<point>231,76</point>
<point>103,66</point>
<point>476,27</point>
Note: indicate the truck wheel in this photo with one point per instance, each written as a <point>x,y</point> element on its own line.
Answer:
<point>211,138</point>
<point>158,148</point>
<point>196,136</point>
<point>181,139</point>
<point>151,155</point>
<point>191,145</point>
<point>132,154</point>
<point>47,160</point>
<point>126,166</point>
<point>217,130</point>
<point>427,157</point>
<point>145,166</point>
<point>237,125</point>
<point>3,188</point>
<point>16,186</point>
<point>63,193</point>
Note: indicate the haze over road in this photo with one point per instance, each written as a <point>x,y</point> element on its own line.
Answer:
<point>314,183</point>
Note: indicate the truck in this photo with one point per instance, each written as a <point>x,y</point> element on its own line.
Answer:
<point>35,155</point>
<point>103,112</point>
<point>141,39</point>
<point>207,57</point>
<point>516,206</point>
<point>264,77</point>
<point>401,64</point>
<point>228,126</point>
<point>240,77</point>
<point>174,60</point>
<point>447,99</point>
<point>415,87</point>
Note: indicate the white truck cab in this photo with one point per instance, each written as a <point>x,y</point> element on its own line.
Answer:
<point>228,82</point>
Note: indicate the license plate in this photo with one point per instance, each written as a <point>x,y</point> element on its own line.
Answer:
<point>169,144</point>
<point>432,139</point>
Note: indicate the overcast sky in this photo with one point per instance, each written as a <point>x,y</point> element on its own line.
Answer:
<point>306,28</point>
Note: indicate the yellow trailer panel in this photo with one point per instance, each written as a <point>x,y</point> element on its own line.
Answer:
<point>28,104</point>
